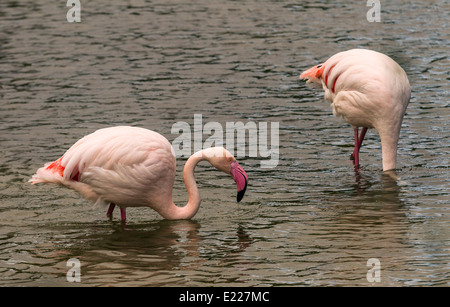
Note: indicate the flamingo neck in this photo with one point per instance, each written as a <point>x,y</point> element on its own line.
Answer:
<point>389,154</point>
<point>389,143</point>
<point>174,212</point>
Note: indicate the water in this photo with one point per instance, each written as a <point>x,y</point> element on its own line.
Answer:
<point>310,221</point>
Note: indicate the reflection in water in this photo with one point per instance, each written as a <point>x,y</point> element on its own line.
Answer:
<point>139,254</point>
<point>244,239</point>
<point>361,182</point>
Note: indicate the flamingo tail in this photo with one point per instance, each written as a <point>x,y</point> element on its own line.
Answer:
<point>52,172</point>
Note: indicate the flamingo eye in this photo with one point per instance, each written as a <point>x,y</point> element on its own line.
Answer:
<point>318,66</point>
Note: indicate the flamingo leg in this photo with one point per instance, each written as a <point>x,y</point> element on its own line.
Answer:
<point>361,137</point>
<point>358,143</point>
<point>356,150</point>
<point>110,210</point>
<point>123,214</point>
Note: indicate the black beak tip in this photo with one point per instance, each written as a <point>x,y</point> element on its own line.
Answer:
<point>240,194</point>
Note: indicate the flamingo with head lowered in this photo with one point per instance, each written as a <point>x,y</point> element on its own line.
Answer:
<point>369,90</point>
<point>134,167</point>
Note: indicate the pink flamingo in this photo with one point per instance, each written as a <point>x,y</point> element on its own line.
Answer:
<point>369,90</point>
<point>134,167</point>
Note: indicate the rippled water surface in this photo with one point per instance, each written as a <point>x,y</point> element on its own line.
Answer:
<point>309,221</point>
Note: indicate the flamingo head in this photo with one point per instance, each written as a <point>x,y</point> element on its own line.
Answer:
<point>240,177</point>
<point>224,161</point>
<point>313,74</point>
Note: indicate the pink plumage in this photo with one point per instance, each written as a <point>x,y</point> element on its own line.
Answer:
<point>134,167</point>
<point>367,89</point>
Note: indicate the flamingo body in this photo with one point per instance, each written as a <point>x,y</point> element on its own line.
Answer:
<point>132,167</point>
<point>367,89</point>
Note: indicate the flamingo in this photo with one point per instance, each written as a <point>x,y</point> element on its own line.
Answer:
<point>367,89</point>
<point>134,167</point>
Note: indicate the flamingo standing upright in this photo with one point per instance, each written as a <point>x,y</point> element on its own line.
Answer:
<point>134,167</point>
<point>369,90</point>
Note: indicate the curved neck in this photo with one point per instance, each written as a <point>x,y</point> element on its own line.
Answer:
<point>174,212</point>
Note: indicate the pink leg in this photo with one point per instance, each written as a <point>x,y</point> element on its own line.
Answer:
<point>110,210</point>
<point>123,214</point>
<point>358,143</point>
<point>361,137</point>
<point>356,150</point>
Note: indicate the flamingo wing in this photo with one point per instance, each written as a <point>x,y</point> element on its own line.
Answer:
<point>123,165</point>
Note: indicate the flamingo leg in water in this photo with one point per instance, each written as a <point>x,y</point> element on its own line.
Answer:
<point>123,214</point>
<point>110,210</point>
<point>356,150</point>
<point>358,143</point>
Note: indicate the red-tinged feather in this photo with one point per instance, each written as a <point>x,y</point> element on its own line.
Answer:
<point>56,167</point>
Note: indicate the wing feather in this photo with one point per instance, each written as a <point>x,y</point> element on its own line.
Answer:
<point>124,165</point>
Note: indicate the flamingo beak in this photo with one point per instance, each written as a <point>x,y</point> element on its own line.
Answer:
<point>313,74</point>
<point>241,179</point>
